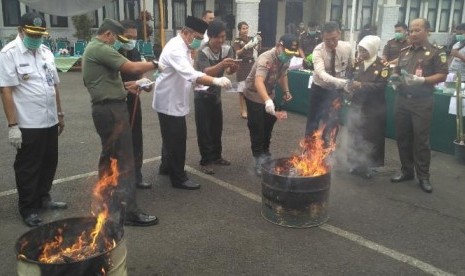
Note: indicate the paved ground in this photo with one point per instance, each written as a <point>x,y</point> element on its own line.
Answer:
<point>376,227</point>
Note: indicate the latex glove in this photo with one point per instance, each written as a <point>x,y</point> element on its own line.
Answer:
<point>395,80</point>
<point>223,82</point>
<point>410,79</point>
<point>144,82</point>
<point>15,136</point>
<point>269,107</point>
<point>250,44</point>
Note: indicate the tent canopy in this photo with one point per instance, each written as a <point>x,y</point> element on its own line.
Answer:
<point>66,7</point>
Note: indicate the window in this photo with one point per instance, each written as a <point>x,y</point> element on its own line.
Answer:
<point>111,10</point>
<point>11,13</point>
<point>156,14</point>
<point>432,13</point>
<point>414,9</point>
<point>93,16</point>
<point>179,13</point>
<point>58,21</point>
<point>458,12</point>
<point>132,9</point>
<point>367,7</point>
<point>336,11</point>
<point>402,11</point>
<point>445,15</point>
<point>198,6</point>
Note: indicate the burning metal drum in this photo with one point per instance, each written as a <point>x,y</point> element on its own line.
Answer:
<point>103,262</point>
<point>291,200</point>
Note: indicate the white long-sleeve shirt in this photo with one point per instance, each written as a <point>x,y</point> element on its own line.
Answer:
<point>322,65</point>
<point>172,87</point>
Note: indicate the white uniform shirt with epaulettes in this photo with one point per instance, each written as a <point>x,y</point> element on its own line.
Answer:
<point>33,78</point>
<point>431,58</point>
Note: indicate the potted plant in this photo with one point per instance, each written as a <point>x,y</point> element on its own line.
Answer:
<point>83,25</point>
<point>460,139</point>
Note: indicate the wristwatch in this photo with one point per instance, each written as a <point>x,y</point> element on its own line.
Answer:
<point>61,114</point>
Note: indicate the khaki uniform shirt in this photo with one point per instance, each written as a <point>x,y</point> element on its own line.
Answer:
<point>271,69</point>
<point>392,48</point>
<point>100,72</point>
<point>431,59</point>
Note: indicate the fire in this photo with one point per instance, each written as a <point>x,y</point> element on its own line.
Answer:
<point>92,241</point>
<point>312,160</point>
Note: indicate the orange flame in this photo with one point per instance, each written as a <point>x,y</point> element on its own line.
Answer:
<point>87,244</point>
<point>312,160</point>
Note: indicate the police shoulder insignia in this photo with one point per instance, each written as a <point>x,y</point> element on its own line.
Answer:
<point>443,58</point>
<point>384,73</point>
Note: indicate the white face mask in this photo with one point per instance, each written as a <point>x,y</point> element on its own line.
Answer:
<point>129,45</point>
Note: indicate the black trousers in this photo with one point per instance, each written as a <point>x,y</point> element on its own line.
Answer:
<point>209,123</point>
<point>413,124</point>
<point>35,165</point>
<point>321,108</point>
<point>111,121</point>
<point>174,134</point>
<point>260,126</point>
<point>137,137</point>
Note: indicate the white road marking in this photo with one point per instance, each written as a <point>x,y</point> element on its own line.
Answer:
<point>396,255</point>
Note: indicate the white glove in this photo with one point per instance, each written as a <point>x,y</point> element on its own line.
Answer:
<point>144,82</point>
<point>252,43</point>
<point>413,80</point>
<point>15,136</point>
<point>269,107</point>
<point>223,82</point>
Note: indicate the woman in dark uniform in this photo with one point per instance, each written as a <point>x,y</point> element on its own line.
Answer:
<point>244,47</point>
<point>366,118</point>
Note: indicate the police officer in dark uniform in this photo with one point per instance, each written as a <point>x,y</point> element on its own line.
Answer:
<point>421,65</point>
<point>392,48</point>
<point>308,41</point>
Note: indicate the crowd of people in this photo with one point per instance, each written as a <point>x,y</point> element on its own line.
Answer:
<point>197,60</point>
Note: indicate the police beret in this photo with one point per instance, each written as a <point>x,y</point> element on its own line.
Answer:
<point>115,27</point>
<point>196,24</point>
<point>33,23</point>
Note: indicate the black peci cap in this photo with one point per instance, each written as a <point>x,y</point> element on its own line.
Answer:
<point>116,28</point>
<point>196,24</point>
<point>33,23</point>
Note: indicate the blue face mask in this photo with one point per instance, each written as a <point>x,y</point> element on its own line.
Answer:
<point>130,45</point>
<point>195,44</point>
<point>284,58</point>
<point>460,37</point>
<point>117,45</point>
<point>32,43</point>
<point>312,33</point>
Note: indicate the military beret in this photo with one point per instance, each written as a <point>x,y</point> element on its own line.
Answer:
<point>115,27</point>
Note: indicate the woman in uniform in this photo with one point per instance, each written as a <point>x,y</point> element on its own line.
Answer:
<point>366,118</point>
<point>244,46</point>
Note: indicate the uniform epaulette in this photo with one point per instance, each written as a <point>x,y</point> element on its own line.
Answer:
<point>405,48</point>
<point>7,47</point>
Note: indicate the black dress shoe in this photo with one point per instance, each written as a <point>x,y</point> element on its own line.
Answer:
<point>54,205</point>
<point>425,185</point>
<point>32,220</point>
<point>187,185</point>
<point>143,185</point>
<point>402,177</point>
<point>140,219</point>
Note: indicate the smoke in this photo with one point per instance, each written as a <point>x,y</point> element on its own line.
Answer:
<point>353,149</point>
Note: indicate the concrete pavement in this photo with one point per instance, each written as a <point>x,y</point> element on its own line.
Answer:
<point>375,227</point>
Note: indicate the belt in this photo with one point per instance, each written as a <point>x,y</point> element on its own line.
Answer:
<point>415,96</point>
<point>110,101</point>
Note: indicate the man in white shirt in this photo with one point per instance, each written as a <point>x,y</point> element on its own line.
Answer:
<point>171,98</point>
<point>29,86</point>
<point>331,60</point>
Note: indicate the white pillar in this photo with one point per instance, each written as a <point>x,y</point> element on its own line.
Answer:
<point>389,16</point>
<point>247,10</point>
